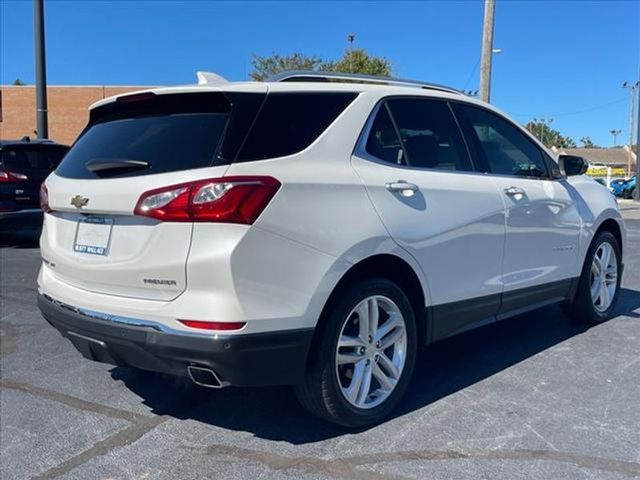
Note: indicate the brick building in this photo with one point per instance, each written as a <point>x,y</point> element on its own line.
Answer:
<point>68,109</point>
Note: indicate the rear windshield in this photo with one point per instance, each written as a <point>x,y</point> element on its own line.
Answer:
<point>153,135</point>
<point>165,133</point>
<point>17,159</point>
<point>164,142</point>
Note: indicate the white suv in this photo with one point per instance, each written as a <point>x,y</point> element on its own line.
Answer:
<point>313,230</point>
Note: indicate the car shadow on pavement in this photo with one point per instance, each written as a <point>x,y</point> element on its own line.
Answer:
<point>442,369</point>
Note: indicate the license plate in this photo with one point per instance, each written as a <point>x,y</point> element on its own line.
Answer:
<point>93,235</point>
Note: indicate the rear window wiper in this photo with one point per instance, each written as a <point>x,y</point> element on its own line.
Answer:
<point>105,164</point>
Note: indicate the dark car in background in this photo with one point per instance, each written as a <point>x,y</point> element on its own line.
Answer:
<point>24,164</point>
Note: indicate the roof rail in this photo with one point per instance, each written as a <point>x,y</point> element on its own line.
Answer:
<point>312,76</point>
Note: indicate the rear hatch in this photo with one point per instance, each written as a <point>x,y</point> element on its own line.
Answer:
<point>137,144</point>
<point>23,167</point>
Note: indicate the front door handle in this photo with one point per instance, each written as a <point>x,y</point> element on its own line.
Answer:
<point>402,187</point>
<point>513,191</point>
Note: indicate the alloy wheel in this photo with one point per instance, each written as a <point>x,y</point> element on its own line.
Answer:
<point>371,352</point>
<point>604,277</point>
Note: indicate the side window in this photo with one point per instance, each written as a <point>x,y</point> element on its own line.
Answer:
<point>383,141</point>
<point>500,146</point>
<point>290,122</point>
<point>429,135</point>
<point>552,166</point>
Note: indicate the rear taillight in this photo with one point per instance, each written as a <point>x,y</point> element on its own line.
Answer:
<point>224,200</point>
<point>6,176</point>
<point>44,198</point>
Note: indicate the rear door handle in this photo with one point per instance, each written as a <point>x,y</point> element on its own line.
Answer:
<point>513,191</point>
<point>402,187</point>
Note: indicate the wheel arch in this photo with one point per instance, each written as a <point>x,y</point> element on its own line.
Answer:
<point>391,267</point>
<point>611,225</point>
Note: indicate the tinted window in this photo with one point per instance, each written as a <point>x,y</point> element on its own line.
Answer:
<point>383,142</point>
<point>429,136</point>
<point>168,132</point>
<point>500,146</point>
<point>289,123</point>
<point>40,159</point>
<point>167,143</point>
<point>552,166</point>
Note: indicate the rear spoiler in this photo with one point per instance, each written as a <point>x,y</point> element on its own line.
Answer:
<point>203,78</point>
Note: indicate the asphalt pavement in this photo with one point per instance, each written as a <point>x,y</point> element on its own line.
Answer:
<point>536,396</point>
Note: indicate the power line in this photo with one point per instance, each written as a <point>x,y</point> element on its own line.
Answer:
<point>473,71</point>
<point>576,112</point>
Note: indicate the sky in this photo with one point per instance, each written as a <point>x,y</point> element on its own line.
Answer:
<point>560,60</point>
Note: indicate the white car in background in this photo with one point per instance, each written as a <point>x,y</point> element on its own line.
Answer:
<point>313,230</point>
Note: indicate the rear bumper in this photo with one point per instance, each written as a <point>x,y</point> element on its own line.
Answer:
<point>28,219</point>
<point>256,359</point>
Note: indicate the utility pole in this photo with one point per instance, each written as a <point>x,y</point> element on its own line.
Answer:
<point>632,89</point>
<point>637,148</point>
<point>351,38</point>
<point>41,70</point>
<point>543,124</point>
<point>487,50</point>
<point>615,132</point>
<point>547,124</point>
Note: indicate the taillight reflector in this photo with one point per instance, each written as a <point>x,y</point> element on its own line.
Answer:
<point>44,198</point>
<point>219,326</point>
<point>227,200</point>
<point>6,176</point>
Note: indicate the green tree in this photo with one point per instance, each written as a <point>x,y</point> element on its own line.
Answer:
<point>265,67</point>
<point>588,143</point>
<point>547,135</point>
<point>18,82</point>
<point>359,61</point>
<point>353,61</point>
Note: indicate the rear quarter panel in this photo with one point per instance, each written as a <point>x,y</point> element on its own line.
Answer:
<point>323,206</point>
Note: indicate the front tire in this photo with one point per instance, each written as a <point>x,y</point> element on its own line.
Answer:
<point>597,291</point>
<point>363,355</point>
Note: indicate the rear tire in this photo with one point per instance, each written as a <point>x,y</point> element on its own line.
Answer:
<point>598,286</point>
<point>358,370</point>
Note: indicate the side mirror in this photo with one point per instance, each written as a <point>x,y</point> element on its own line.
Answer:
<point>571,165</point>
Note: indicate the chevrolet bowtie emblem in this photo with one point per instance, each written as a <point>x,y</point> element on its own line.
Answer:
<point>79,201</point>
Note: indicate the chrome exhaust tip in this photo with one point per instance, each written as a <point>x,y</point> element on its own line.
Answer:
<point>205,377</point>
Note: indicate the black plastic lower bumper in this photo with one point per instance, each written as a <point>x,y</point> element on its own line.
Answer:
<point>20,221</point>
<point>274,358</point>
